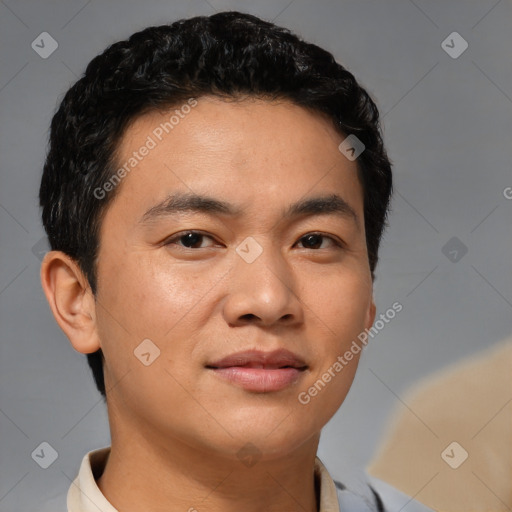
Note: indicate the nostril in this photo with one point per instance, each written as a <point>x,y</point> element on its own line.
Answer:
<point>248,316</point>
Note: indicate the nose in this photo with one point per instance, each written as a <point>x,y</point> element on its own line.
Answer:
<point>263,292</point>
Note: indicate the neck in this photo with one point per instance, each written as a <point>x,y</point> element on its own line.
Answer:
<point>159,475</point>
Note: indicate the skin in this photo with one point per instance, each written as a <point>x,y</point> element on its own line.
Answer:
<point>176,427</point>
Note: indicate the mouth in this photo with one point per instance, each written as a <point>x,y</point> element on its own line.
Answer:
<point>260,372</point>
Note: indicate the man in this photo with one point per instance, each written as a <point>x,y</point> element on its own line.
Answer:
<point>214,194</point>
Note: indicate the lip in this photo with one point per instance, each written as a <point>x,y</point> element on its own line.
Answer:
<point>259,371</point>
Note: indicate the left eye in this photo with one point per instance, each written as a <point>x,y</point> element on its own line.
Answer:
<point>312,240</point>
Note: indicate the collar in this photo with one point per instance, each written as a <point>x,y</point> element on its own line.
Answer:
<point>84,494</point>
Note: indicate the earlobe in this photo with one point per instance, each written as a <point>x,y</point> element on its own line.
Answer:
<point>372,311</point>
<point>71,300</point>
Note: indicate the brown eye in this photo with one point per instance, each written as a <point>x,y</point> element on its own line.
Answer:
<point>314,240</point>
<point>188,239</point>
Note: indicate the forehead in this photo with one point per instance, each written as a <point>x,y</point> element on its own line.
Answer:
<point>250,151</point>
<point>203,122</point>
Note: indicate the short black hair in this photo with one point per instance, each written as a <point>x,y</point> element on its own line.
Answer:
<point>227,55</point>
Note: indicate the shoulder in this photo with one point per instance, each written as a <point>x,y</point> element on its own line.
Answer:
<point>374,495</point>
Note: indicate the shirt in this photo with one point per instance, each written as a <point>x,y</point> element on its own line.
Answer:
<point>84,494</point>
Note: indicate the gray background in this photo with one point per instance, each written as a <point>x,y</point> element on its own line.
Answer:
<point>447,124</point>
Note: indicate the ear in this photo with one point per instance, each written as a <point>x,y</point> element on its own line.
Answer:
<point>71,300</point>
<point>370,315</point>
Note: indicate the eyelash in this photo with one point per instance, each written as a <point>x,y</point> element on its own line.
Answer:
<point>177,236</point>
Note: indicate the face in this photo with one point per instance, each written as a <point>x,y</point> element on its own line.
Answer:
<point>243,270</point>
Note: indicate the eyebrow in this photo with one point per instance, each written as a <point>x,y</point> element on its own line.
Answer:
<point>177,203</point>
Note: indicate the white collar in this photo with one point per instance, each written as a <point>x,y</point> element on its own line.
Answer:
<point>84,494</point>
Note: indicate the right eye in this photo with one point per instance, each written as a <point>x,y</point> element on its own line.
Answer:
<point>188,239</point>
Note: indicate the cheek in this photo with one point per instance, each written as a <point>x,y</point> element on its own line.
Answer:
<point>338,304</point>
<point>324,392</point>
<point>147,298</point>
<point>142,301</point>
<point>153,394</point>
